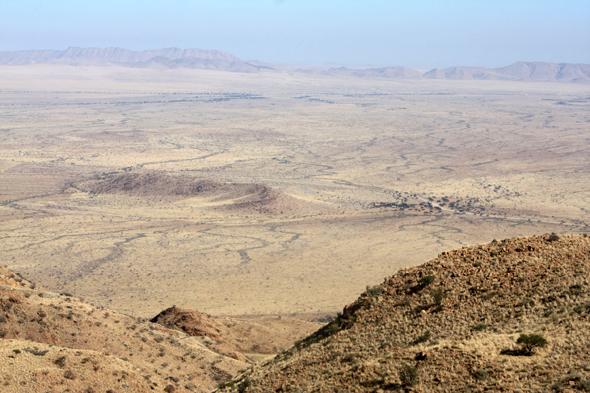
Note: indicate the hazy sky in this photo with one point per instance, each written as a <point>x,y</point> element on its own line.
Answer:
<point>412,33</point>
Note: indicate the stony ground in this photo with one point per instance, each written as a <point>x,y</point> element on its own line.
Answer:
<point>452,325</point>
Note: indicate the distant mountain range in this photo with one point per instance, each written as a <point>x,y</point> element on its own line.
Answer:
<point>166,58</point>
<point>218,60</point>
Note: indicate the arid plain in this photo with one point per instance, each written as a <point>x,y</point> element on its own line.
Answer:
<point>272,193</point>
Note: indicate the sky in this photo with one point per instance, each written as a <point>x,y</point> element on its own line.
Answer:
<point>412,33</point>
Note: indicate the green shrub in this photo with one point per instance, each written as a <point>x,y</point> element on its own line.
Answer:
<point>480,374</point>
<point>244,385</point>
<point>427,280</point>
<point>424,337</point>
<point>530,342</point>
<point>372,292</point>
<point>480,327</point>
<point>438,295</point>
<point>61,361</point>
<point>408,375</point>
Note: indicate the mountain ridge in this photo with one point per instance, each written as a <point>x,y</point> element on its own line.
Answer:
<point>192,58</point>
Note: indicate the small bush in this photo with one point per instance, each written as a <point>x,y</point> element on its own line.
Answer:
<point>480,374</point>
<point>244,385</point>
<point>530,342</point>
<point>376,291</point>
<point>349,358</point>
<point>480,327</point>
<point>69,374</point>
<point>427,280</point>
<point>423,338</point>
<point>438,295</point>
<point>61,361</point>
<point>575,289</point>
<point>36,352</point>
<point>408,375</point>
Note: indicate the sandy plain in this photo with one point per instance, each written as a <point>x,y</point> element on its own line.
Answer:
<point>365,175</point>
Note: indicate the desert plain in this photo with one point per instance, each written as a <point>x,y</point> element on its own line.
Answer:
<point>272,192</point>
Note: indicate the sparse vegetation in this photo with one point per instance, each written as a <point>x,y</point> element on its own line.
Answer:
<point>60,361</point>
<point>438,296</point>
<point>245,384</point>
<point>408,375</point>
<point>529,343</point>
<point>423,338</point>
<point>427,280</point>
<point>375,291</point>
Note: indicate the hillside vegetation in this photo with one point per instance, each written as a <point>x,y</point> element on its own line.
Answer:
<point>510,315</point>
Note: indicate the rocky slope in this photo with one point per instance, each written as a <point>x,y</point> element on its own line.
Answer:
<point>53,342</point>
<point>454,325</point>
<point>99,349</point>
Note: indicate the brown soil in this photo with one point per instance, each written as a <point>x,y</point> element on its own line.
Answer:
<point>457,330</point>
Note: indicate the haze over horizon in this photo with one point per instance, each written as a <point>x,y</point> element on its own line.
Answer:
<point>424,34</point>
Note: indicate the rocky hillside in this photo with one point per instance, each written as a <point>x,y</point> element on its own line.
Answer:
<point>51,339</point>
<point>510,315</point>
<point>55,342</point>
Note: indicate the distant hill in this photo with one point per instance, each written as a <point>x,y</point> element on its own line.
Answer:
<point>386,72</point>
<point>521,71</point>
<point>168,58</point>
<point>510,315</point>
<point>217,60</point>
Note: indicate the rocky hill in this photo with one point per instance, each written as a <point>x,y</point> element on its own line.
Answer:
<point>55,342</point>
<point>165,187</point>
<point>510,315</point>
